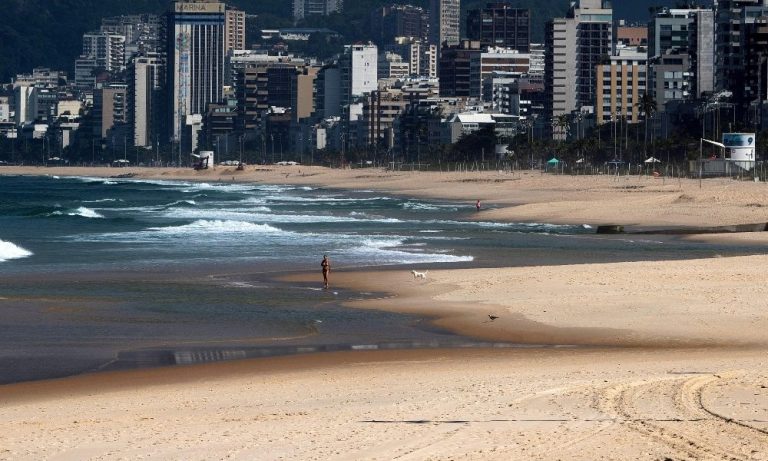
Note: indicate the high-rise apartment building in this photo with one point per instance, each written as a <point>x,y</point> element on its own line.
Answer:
<point>620,85</point>
<point>494,61</point>
<point>444,16</point>
<point>109,109</point>
<point>669,29</point>
<point>421,57</point>
<point>145,98</point>
<point>249,70</point>
<point>142,32</point>
<point>328,94</point>
<point>681,54</point>
<point>456,69</point>
<point>359,71</point>
<point>196,50</point>
<point>304,8</point>
<point>501,25</point>
<point>303,92</point>
<point>669,77</point>
<point>25,99</point>
<point>732,18</point>
<point>107,49</point>
<point>756,52</point>
<point>234,35</point>
<point>574,46</point>
<point>702,52</point>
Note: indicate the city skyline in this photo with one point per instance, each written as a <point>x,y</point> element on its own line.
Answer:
<point>188,80</point>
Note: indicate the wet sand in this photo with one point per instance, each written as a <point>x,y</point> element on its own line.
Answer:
<point>671,360</point>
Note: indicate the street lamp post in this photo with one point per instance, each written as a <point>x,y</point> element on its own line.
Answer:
<point>240,139</point>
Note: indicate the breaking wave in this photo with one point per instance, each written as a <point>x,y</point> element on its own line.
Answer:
<point>10,251</point>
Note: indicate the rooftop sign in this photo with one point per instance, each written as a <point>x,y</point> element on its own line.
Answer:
<point>199,7</point>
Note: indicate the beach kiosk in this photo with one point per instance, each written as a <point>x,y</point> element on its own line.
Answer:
<point>740,149</point>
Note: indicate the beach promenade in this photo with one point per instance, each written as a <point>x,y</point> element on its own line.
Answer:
<point>655,359</point>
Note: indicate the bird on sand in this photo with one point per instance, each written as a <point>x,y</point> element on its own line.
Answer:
<point>492,317</point>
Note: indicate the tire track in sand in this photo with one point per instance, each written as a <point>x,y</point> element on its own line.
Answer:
<point>670,411</point>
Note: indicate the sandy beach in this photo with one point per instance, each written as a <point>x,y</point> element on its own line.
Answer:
<point>640,360</point>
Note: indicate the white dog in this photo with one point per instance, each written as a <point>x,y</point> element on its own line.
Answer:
<point>419,275</point>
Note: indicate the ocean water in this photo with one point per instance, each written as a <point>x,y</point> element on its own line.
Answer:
<point>118,273</point>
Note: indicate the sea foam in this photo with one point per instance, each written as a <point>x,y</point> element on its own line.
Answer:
<point>82,211</point>
<point>218,227</point>
<point>10,251</point>
<point>254,216</point>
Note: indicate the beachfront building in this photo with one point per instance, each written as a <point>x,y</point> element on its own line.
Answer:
<point>380,108</point>
<point>196,50</point>
<point>109,110</point>
<point>620,85</point>
<point>496,60</point>
<point>146,100</point>
<point>669,78</point>
<point>263,80</point>
<point>574,46</point>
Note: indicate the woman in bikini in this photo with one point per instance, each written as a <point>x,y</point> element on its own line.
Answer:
<point>326,265</point>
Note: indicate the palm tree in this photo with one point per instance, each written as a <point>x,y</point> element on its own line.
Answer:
<point>647,106</point>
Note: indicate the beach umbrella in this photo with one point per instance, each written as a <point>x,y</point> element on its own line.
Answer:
<point>652,160</point>
<point>553,161</point>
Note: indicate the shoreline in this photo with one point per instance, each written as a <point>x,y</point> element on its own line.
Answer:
<point>518,196</point>
<point>671,362</point>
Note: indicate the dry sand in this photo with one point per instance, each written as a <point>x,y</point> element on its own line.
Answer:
<point>669,359</point>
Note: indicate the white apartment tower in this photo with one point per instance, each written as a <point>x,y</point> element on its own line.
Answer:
<point>359,71</point>
<point>26,104</point>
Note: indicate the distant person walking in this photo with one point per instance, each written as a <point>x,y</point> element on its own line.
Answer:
<point>477,205</point>
<point>326,265</point>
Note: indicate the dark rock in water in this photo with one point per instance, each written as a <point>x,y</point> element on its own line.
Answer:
<point>610,229</point>
<point>123,176</point>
